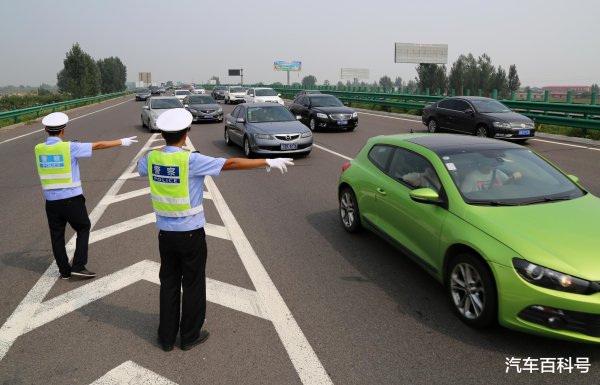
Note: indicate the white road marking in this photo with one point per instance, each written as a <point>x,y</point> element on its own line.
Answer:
<point>332,152</point>
<point>130,373</point>
<point>79,117</point>
<point>390,117</point>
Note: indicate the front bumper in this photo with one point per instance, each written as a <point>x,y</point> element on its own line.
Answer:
<point>513,133</point>
<point>208,117</point>
<point>551,313</point>
<point>219,96</point>
<point>274,146</point>
<point>335,123</point>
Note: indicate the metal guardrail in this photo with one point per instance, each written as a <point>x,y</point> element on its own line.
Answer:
<point>25,114</point>
<point>585,116</point>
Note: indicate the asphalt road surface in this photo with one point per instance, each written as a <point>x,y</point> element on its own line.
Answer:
<point>293,298</point>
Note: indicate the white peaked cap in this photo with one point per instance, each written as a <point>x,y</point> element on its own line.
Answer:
<point>55,119</point>
<point>174,120</point>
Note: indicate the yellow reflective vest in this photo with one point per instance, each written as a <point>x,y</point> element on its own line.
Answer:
<point>54,165</point>
<point>168,173</point>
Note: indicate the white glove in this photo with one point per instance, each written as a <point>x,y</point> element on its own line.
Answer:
<point>280,164</point>
<point>128,141</point>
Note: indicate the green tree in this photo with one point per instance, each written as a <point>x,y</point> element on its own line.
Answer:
<point>113,74</point>
<point>457,77</point>
<point>385,82</point>
<point>500,83</point>
<point>486,73</point>
<point>513,79</point>
<point>595,88</point>
<point>432,77</point>
<point>80,76</point>
<point>309,81</point>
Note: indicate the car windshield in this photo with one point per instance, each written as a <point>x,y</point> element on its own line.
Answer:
<point>266,92</point>
<point>236,89</point>
<point>161,104</point>
<point>507,177</point>
<point>143,91</point>
<point>182,92</point>
<point>201,100</point>
<point>325,101</point>
<point>489,106</point>
<point>269,114</point>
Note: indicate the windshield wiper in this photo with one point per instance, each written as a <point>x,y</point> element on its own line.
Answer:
<point>548,199</point>
<point>493,203</point>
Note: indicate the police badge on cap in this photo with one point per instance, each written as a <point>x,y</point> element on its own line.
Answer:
<point>174,120</point>
<point>55,121</point>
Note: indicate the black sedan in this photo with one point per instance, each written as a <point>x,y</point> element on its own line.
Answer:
<point>323,111</point>
<point>142,94</point>
<point>203,108</point>
<point>477,116</point>
<point>267,128</point>
<point>218,93</point>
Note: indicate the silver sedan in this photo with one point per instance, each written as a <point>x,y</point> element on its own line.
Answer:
<point>267,128</point>
<point>155,106</point>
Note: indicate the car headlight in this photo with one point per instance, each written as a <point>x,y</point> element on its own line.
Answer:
<point>219,110</point>
<point>193,110</point>
<point>501,125</point>
<point>307,134</point>
<point>355,114</point>
<point>322,116</point>
<point>263,136</point>
<point>551,279</point>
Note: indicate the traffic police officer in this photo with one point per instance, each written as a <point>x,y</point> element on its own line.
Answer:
<point>176,185</point>
<point>58,168</point>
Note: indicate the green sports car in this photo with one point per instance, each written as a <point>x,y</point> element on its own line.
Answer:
<point>512,238</point>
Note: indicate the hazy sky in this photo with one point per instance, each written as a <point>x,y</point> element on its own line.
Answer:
<point>552,42</point>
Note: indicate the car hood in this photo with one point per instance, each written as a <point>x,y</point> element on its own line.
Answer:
<point>334,110</point>
<point>560,235</point>
<point>508,117</point>
<point>205,106</point>
<point>291,127</point>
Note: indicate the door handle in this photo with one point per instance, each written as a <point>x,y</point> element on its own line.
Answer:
<point>381,191</point>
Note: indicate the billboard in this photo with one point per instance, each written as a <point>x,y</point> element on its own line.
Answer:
<point>235,72</point>
<point>421,53</point>
<point>355,73</point>
<point>280,65</point>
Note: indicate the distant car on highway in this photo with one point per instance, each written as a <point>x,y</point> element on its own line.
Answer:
<point>307,92</point>
<point>155,106</point>
<point>324,111</point>
<point>262,95</point>
<point>181,94</point>
<point>142,94</point>
<point>218,93</point>
<point>198,90</point>
<point>477,116</point>
<point>203,108</point>
<point>155,90</point>
<point>512,238</point>
<point>234,94</point>
<point>265,129</point>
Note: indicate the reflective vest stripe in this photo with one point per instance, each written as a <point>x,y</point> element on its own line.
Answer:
<point>60,185</point>
<point>176,201</point>
<point>180,214</point>
<point>55,176</point>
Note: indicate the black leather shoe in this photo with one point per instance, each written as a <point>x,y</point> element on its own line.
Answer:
<point>203,336</point>
<point>165,347</point>
<point>83,273</point>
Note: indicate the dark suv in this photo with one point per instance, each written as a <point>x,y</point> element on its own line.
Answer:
<point>323,111</point>
<point>218,92</point>
<point>477,116</point>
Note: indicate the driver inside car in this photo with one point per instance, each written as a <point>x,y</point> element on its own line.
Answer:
<point>487,175</point>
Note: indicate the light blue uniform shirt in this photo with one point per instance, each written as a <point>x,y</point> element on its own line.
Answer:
<point>78,150</point>
<point>199,167</point>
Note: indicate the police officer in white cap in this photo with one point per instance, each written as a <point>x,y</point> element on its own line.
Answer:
<point>57,164</point>
<point>177,185</point>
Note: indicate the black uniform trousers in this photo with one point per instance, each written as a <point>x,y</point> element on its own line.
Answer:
<point>182,265</point>
<point>72,211</point>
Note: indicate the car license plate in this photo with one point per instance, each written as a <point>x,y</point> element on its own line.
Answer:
<point>523,132</point>
<point>342,122</point>
<point>208,116</point>
<point>289,146</point>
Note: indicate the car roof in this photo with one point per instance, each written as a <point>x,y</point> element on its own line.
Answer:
<point>163,97</point>
<point>444,143</point>
<point>469,98</point>
<point>248,105</point>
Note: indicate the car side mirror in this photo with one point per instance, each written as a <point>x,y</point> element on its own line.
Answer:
<point>279,95</point>
<point>345,103</point>
<point>425,195</point>
<point>186,105</point>
<point>298,117</point>
<point>240,120</point>
<point>146,107</point>
<point>574,178</point>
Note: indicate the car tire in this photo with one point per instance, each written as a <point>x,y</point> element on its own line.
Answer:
<point>482,131</point>
<point>312,124</point>
<point>475,301</point>
<point>247,149</point>
<point>349,213</point>
<point>227,138</point>
<point>143,124</point>
<point>225,101</point>
<point>432,126</point>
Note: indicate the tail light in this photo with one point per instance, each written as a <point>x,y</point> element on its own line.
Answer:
<point>345,166</point>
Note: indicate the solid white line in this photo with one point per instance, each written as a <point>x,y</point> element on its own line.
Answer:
<point>131,194</point>
<point>79,117</point>
<point>390,117</point>
<point>333,152</point>
<point>562,144</point>
<point>118,228</point>
<point>130,373</point>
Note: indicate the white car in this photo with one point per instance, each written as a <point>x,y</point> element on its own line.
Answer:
<point>181,94</point>
<point>234,94</point>
<point>198,90</point>
<point>262,95</point>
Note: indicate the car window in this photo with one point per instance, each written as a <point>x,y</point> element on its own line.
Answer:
<point>236,111</point>
<point>461,105</point>
<point>266,92</point>
<point>298,100</point>
<point>448,104</point>
<point>490,106</point>
<point>165,103</point>
<point>236,89</point>
<point>201,99</point>
<point>325,101</point>
<point>413,170</point>
<point>251,92</point>
<point>379,155</point>
<point>269,114</point>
